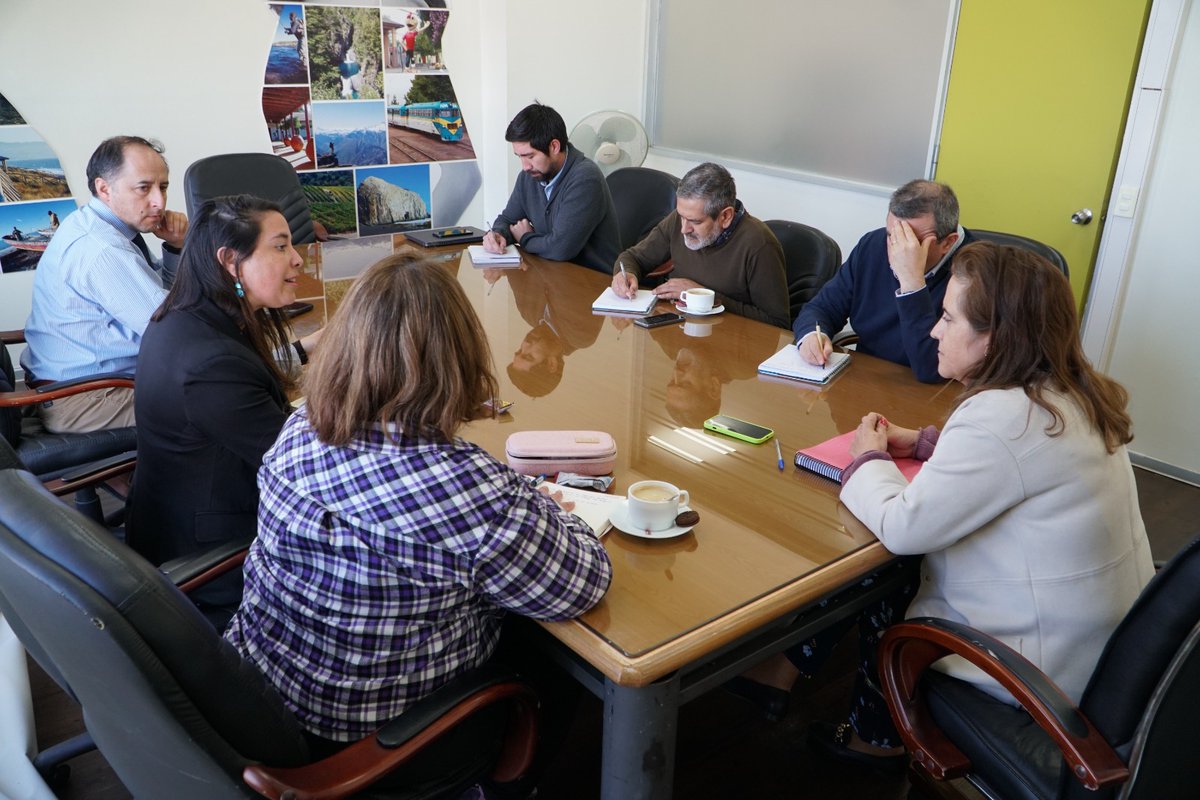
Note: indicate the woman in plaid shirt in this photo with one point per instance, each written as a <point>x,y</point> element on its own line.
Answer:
<point>388,550</point>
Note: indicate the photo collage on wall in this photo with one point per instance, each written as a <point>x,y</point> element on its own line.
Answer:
<point>357,97</point>
<point>34,196</point>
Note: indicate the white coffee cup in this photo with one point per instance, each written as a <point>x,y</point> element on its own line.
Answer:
<point>653,505</point>
<point>697,299</point>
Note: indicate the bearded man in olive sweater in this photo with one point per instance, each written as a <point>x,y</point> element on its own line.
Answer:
<point>713,244</point>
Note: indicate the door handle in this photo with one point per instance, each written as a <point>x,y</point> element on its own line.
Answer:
<point>1082,217</point>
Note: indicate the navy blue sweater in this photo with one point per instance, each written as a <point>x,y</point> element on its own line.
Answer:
<point>863,291</point>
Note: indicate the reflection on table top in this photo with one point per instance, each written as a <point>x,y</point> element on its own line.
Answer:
<point>767,542</point>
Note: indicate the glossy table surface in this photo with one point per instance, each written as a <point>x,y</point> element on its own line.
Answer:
<point>768,541</point>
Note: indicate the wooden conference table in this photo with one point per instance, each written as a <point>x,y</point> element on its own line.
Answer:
<point>685,614</point>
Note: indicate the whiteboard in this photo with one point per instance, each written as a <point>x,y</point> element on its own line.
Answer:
<point>842,90</point>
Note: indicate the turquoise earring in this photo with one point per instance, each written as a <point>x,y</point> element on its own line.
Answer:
<point>237,287</point>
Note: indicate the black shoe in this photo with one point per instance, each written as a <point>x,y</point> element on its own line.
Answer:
<point>772,702</point>
<point>834,740</point>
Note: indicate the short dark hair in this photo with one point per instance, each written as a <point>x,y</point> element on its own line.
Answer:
<point>235,223</point>
<point>538,125</point>
<point>109,157</point>
<point>711,183</point>
<point>927,197</point>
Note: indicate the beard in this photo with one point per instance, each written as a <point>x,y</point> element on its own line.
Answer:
<point>698,242</point>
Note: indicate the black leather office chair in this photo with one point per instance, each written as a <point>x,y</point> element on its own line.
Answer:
<point>174,708</point>
<point>642,198</point>
<point>811,257</point>
<point>61,459</point>
<point>1132,734</point>
<point>1044,250</point>
<point>261,174</point>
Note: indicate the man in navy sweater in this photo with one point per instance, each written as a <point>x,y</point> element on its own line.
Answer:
<point>891,287</point>
<point>560,207</point>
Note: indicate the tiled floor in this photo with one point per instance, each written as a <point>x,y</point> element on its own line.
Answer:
<point>725,749</point>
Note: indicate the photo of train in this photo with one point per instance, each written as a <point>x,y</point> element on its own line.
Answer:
<point>443,119</point>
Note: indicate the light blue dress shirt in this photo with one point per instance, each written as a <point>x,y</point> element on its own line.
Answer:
<point>93,295</point>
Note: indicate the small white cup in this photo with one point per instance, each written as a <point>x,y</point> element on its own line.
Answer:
<point>653,505</point>
<point>697,299</point>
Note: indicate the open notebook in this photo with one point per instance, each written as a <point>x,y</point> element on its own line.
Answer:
<point>611,301</point>
<point>787,363</point>
<point>482,258</point>
<point>591,507</point>
<point>830,457</point>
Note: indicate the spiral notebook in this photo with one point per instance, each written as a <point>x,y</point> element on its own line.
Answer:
<point>830,457</point>
<point>609,300</point>
<point>787,363</point>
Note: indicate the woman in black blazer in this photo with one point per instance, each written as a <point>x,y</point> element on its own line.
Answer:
<point>211,396</point>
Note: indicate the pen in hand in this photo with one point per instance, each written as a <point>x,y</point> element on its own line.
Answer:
<point>819,347</point>
<point>779,453</point>
<point>624,276</point>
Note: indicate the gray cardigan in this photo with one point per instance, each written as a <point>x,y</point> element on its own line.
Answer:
<point>578,223</point>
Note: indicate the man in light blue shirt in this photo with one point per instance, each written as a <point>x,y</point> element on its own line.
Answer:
<point>97,285</point>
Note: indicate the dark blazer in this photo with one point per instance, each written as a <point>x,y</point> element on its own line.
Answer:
<point>207,409</point>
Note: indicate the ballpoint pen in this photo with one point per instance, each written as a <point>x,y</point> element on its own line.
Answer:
<point>822,349</point>
<point>779,453</point>
<point>624,274</point>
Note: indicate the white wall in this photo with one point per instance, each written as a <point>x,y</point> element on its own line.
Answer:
<point>1154,349</point>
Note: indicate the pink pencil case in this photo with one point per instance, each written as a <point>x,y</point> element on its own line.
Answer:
<point>549,452</point>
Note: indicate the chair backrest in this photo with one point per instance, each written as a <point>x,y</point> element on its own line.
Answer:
<point>1016,240</point>
<point>261,174</point>
<point>811,257</point>
<point>173,707</point>
<point>1145,689</point>
<point>10,418</point>
<point>642,198</point>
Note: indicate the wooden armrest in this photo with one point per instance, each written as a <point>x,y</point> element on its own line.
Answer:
<point>12,337</point>
<point>362,763</point>
<point>57,389</point>
<point>910,647</point>
<point>191,572</point>
<point>90,474</point>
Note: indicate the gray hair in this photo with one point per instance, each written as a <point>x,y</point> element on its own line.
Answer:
<point>927,197</point>
<point>711,183</point>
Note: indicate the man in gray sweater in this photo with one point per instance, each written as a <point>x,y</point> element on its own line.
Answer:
<point>560,208</point>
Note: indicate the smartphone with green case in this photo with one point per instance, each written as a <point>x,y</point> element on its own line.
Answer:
<point>738,429</point>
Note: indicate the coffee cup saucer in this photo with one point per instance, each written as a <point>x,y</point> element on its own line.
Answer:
<point>619,517</point>
<point>683,309</point>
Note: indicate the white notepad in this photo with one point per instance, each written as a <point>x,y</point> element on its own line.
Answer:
<point>593,508</point>
<point>482,258</point>
<point>609,300</point>
<point>787,363</point>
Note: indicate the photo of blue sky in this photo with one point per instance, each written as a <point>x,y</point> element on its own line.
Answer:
<point>357,130</point>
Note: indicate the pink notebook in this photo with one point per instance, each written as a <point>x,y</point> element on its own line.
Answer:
<point>829,458</point>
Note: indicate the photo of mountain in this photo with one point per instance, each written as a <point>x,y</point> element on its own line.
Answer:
<point>350,134</point>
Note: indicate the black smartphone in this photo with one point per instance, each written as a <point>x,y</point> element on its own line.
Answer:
<point>658,319</point>
<point>738,429</point>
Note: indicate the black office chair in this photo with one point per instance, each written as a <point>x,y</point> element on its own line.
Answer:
<point>1044,250</point>
<point>174,708</point>
<point>810,256</point>
<point>642,198</point>
<point>1133,732</point>
<point>260,174</point>
<point>61,460</point>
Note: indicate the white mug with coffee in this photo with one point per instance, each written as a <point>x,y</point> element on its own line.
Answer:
<point>697,299</point>
<point>653,505</point>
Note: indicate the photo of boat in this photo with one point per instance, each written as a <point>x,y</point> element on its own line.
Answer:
<point>35,241</point>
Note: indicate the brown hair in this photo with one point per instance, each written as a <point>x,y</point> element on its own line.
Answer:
<point>1025,305</point>
<point>404,347</point>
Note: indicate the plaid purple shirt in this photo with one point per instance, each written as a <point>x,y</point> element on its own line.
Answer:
<point>383,570</point>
